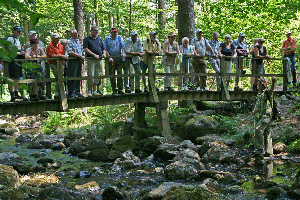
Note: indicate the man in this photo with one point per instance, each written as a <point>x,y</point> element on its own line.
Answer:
<point>151,47</point>
<point>215,62</point>
<point>33,35</point>
<point>289,47</point>
<point>55,50</point>
<point>133,46</point>
<point>74,49</point>
<point>241,48</point>
<point>262,120</point>
<point>199,64</point>
<point>94,49</point>
<point>114,46</point>
<point>14,69</point>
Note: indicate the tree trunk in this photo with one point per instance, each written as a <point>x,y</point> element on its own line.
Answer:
<point>186,19</point>
<point>186,28</point>
<point>78,18</point>
<point>96,12</point>
<point>130,17</point>
<point>25,27</point>
<point>111,20</point>
<point>162,19</point>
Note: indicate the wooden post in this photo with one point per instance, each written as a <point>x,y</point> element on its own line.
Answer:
<point>61,89</point>
<point>224,89</point>
<point>163,119</point>
<point>285,75</point>
<point>152,88</point>
<point>48,84</point>
<point>139,120</point>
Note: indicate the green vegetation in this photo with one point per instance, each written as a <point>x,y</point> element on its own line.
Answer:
<point>294,147</point>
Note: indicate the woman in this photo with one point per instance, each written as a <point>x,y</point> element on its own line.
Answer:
<point>260,51</point>
<point>31,53</point>
<point>251,53</point>
<point>171,49</point>
<point>186,50</point>
<point>227,49</point>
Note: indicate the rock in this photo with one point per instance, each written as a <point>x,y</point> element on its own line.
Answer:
<point>83,174</point>
<point>99,155</point>
<point>91,187</point>
<point>127,161</point>
<point>219,154</point>
<point>283,100</point>
<point>9,158</point>
<point>198,126</point>
<point>159,193</point>
<point>229,179</point>
<point>22,168</point>
<point>111,193</point>
<point>167,152</point>
<point>9,177</point>
<point>86,144</point>
<point>294,194</point>
<point>58,146</point>
<point>128,126</point>
<point>43,141</point>
<point>26,137</point>
<point>10,193</point>
<point>279,148</point>
<point>208,173</point>
<point>212,185</point>
<point>58,191</point>
<point>276,192</point>
<point>192,192</point>
<point>151,144</point>
<point>214,138</point>
<point>9,129</point>
<point>235,189</point>
<point>187,144</point>
<point>74,134</point>
<point>124,144</point>
<point>32,192</point>
<point>187,165</point>
<point>114,154</point>
<point>45,160</point>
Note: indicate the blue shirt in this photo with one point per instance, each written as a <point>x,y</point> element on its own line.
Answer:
<point>215,46</point>
<point>113,47</point>
<point>74,46</point>
<point>94,45</point>
<point>134,47</point>
<point>239,45</point>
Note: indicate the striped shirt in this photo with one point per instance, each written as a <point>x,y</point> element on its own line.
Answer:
<point>74,46</point>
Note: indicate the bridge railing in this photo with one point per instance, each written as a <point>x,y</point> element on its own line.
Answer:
<point>60,79</point>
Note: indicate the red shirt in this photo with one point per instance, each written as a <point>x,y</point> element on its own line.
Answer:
<point>290,43</point>
<point>54,49</point>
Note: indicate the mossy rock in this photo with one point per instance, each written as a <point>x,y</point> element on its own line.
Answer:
<point>295,147</point>
<point>124,144</point>
<point>199,126</point>
<point>99,155</point>
<point>189,192</point>
<point>9,193</point>
<point>9,177</point>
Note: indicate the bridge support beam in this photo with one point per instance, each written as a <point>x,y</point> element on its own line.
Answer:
<point>140,127</point>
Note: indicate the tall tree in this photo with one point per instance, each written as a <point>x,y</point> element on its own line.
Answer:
<point>162,19</point>
<point>186,19</point>
<point>78,18</point>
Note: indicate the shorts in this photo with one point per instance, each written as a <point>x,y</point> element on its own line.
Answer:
<point>94,68</point>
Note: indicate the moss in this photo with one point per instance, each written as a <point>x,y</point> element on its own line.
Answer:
<point>249,186</point>
<point>295,147</point>
<point>13,194</point>
<point>8,176</point>
<point>124,143</point>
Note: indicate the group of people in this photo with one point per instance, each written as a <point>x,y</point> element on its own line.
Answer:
<point>133,51</point>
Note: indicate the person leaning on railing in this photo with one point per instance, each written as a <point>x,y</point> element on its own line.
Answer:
<point>55,50</point>
<point>260,51</point>
<point>227,49</point>
<point>186,50</point>
<point>151,47</point>
<point>171,49</point>
<point>35,52</point>
<point>215,61</point>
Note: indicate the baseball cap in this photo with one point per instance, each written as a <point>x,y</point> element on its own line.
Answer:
<point>288,32</point>
<point>31,33</point>
<point>199,31</point>
<point>171,34</point>
<point>133,33</point>
<point>114,29</point>
<point>242,34</point>
<point>17,28</point>
<point>55,35</point>
<point>152,32</point>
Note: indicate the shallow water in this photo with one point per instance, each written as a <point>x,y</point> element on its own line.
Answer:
<point>76,171</point>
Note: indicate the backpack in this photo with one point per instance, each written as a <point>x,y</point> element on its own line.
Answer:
<point>148,41</point>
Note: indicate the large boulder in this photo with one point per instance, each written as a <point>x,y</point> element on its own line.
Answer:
<point>279,148</point>
<point>124,144</point>
<point>10,158</point>
<point>8,129</point>
<point>198,126</point>
<point>127,161</point>
<point>9,177</point>
<point>74,134</point>
<point>187,165</point>
<point>151,144</point>
<point>213,139</point>
<point>10,193</point>
<point>167,152</point>
<point>43,141</point>
<point>219,154</point>
<point>190,192</point>
<point>111,193</point>
<point>86,145</point>
<point>160,192</point>
<point>276,192</point>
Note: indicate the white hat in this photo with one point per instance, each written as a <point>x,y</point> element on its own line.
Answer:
<point>31,33</point>
<point>134,32</point>
<point>288,32</point>
<point>55,35</point>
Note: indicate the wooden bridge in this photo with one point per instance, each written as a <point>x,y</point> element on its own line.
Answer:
<point>157,99</point>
